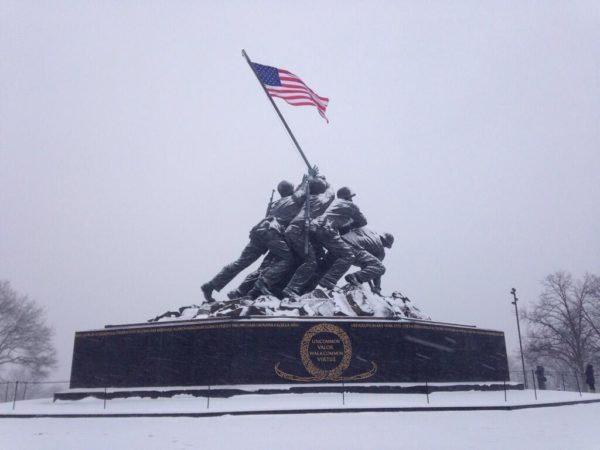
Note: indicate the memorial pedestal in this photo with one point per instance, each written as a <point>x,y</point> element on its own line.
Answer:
<point>256,351</point>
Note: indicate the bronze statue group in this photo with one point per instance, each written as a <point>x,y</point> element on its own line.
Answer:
<point>311,238</point>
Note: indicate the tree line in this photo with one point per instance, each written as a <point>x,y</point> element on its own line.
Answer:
<point>26,347</point>
<point>563,329</point>
<point>563,325</point>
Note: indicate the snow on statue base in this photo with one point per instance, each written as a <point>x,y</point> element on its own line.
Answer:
<point>348,301</point>
<point>325,341</point>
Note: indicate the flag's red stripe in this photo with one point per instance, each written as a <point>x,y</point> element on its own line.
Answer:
<point>287,86</point>
<point>299,85</point>
<point>293,78</point>
<point>322,100</point>
<point>321,110</point>
<point>296,93</point>
<point>294,97</point>
<point>306,104</point>
<point>289,96</point>
<point>301,102</point>
<point>300,95</point>
<point>294,89</point>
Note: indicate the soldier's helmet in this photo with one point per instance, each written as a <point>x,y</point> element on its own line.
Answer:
<point>387,239</point>
<point>285,188</point>
<point>345,193</point>
<point>317,186</point>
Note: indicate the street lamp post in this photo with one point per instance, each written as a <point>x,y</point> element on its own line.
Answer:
<point>513,291</point>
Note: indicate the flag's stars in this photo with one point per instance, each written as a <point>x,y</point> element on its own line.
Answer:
<point>267,74</point>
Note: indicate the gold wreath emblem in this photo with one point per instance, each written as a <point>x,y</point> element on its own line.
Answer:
<point>309,365</point>
<point>318,374</point>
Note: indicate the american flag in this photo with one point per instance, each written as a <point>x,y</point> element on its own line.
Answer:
<point>284,84</point>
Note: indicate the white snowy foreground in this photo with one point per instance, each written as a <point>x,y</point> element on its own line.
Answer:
<point>563,427</point>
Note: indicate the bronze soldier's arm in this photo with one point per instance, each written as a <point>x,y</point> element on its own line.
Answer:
<point>358,218</point>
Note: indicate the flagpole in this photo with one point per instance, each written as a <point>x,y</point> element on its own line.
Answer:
<point>278,112</point>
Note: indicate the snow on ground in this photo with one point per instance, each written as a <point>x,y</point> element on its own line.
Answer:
<point>564,427</point>
<point>258,402</point>
<point>557,428</point>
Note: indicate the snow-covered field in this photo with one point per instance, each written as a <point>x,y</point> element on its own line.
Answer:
<point>287,401</point>
<point>563,427</point>
<point>567,427</point>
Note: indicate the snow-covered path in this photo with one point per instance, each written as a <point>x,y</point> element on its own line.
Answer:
<point>255,402</point>
<point>558,428</point>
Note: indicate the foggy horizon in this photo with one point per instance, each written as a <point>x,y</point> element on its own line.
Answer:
<point>137,148</point>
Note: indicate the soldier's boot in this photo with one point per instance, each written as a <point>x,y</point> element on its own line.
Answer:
<point>207,289</point>
<point>288,293</point>
<point>262,287</point>
<point>234,294</point>
<point>253,293</point>
<point>351,278</point>
<point>321,292</point>
<point>326,285</point>
<point>323,289</point>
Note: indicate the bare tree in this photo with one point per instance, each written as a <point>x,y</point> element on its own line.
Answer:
<point>592,312</point>
<point>558,329</point>
<point>25,338</point>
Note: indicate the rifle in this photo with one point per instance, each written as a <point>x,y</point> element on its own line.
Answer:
<point>374,288</point>
<point>270,204</point>
<point>307,216</point>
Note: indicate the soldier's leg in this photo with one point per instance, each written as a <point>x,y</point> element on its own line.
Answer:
<point>281,260</point>
<point>251,253</point>
<point>245,286</point>
<point>370,267</point>
<point>248,282</point>
<point>296,240</point>
<point>285,279</point>
<point>341,252</point>
<point>324,263</point>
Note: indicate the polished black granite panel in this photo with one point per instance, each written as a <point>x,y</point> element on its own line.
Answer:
<point>275,350</point>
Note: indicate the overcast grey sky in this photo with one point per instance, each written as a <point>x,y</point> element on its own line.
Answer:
<point>137,149</point>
